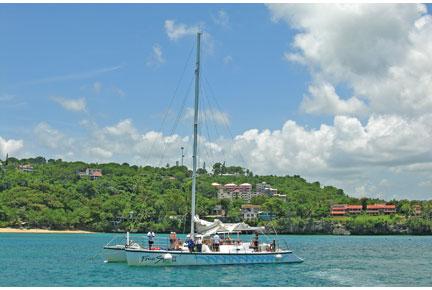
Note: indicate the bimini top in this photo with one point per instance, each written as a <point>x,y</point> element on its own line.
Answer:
<point>207,228</point>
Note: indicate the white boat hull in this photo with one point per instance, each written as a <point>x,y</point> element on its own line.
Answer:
<point>142,257</point>
<point>115,254</point>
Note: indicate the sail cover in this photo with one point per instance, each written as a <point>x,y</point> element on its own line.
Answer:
<point>206,228</point>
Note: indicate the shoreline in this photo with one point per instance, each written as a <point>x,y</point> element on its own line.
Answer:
<point>41,231</point>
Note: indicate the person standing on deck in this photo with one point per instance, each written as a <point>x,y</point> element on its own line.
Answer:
<point>199,245</point>
<point>173,240</point>
<point>190,244</point>
<point>255,242</point>
<point>216,242</point>
<point>150,235</point>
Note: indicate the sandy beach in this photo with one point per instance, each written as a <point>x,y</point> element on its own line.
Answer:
<point>42,231</point>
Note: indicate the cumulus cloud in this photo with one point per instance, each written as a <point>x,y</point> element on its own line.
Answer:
<point>323,99</point>
<point>52,138</point>
<point>381,51</point>
<point>122,128</point>
<point>100,153</point>
<point>364,159</point>
<point>76,105</point>
<point>10,146</point>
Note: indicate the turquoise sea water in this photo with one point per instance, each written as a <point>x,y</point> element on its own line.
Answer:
<point>76,260</point>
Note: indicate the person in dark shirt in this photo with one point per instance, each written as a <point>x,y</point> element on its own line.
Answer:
<point>255,242</point>
<point>199,245</point>
<point>190,245</point>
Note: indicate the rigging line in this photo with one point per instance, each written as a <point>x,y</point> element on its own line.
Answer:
<point>177,120</point>
<point>204,119</point>
<point>214,123</point>
<point>210,111</point>
<point>225,123</point>
<point>173,97</point>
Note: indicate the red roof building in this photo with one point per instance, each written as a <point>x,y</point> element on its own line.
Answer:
<point>381,209</point>
<point>350,209</point>
<point>344,209</point>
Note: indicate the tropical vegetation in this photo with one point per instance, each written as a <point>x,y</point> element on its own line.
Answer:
<point>54,196</point>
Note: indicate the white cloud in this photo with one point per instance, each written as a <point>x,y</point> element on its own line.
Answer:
<point>208,115</point>
<point>381,51</point>
<point>52,138</point>
<point>123,128</point>
<point>77,105</point>
<point>100,153</point>
<point>324,100</point>
<point>156,58</point>
<point>364,159</point>
<point>177,31</point>
<point>10,146</point>
<point>222,19</point>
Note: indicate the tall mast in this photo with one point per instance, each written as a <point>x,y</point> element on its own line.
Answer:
<point>195,141</point>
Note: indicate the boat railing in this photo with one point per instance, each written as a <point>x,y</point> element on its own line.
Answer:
<point>159,243</point>
<point>117,240</point>
<point>282,244</point>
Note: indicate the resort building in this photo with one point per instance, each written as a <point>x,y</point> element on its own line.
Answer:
<point>25,168</point>
<point>373,209</point>
<point>376,209</point>
<point>91,173</point>
<point>345,209</point>
<point>266,188</point>
<point>250,211</point>
<point>244,191</point>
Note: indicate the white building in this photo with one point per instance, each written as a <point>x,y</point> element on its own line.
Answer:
<point>250,211</point>
<point>266,188</point>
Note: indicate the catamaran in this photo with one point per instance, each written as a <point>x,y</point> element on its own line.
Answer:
<point>230,251</point>
<point>114,250</point>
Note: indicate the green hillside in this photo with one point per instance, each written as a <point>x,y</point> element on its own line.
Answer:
<point>140,198</point>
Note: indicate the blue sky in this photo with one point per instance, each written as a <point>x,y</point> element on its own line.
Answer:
<point>327,92</point>
<point>48,41</point>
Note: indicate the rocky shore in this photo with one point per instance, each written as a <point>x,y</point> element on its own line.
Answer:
<point>347,228</point>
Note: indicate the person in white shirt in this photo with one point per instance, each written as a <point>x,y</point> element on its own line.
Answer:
<point>150,235</point>
<point>216,242</point>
